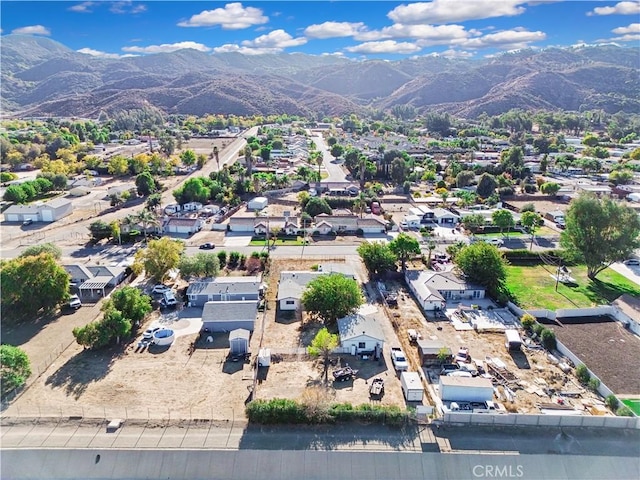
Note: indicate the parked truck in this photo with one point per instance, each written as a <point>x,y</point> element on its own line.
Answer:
<point>399,359</point>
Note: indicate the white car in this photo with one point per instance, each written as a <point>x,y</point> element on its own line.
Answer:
<point>160,289</point>
<point>632,262</point>
<point>74,302</point>
<point>498,242</point>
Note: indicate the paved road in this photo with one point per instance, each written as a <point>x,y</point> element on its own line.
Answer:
<point>237,451</point>
<point>334,169</point>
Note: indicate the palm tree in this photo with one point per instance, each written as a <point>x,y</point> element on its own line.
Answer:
<point>147,219</point>
<point>215,155</point>
<point>318,159</point>
<point>360,203</point>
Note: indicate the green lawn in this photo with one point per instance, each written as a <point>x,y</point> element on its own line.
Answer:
<point>634,405</point>
<point>541,232</point>
<point>534,287</point>
<point>260,242</point>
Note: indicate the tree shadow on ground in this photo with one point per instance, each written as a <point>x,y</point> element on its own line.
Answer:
<point>597,290</point>
<point>309,329</point>
<point>14,331</point>
<point>83,369</point>
<point>326,437</point>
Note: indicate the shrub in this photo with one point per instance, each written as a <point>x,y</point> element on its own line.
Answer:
<point>548,339</point>
<point>612,402</point>
<point>582,372</point>
<point>222,256</point>
<point>253,265</point>
<point>234,258</point>
<point>527,321</point>
<point>538,329</point>
<point>624,411</point>
<point>594,384</point>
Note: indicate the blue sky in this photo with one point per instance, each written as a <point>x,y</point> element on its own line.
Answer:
<point>354,29</point>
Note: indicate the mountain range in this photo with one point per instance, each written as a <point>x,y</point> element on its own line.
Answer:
<point>41,77</point>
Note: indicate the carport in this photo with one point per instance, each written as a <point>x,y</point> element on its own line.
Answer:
<point>92,286</point>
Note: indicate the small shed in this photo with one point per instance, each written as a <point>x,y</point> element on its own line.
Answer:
<point>239,341</point>
<point>257,203</point>
<point>429,351</point>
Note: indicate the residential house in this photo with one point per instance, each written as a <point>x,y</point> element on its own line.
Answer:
<point>92,280</point>
<point>445,217</point>
<point>120,189</point>
<point>224,289</point>
<point>348,224</point>
<point>50,211</point>
<point>430,352</point>
<point>228,316</point>
<point>432,290</point>
<point>361,334</point>
<point>183,225</point>
<point>293,283</point>
<point>627,310</point>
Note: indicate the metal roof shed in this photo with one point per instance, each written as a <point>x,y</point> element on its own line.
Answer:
<point>239,341</point>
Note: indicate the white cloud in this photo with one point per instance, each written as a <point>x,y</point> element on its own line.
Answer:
<point>127,7</point>
<point>168,47</point>
<point>426,34</point>
<point>232,48</point>
<point>276,39</point>
<point>32,30</point>
<point>506,39</point>
<point>632,28</point>
<point>232,17</point>
<point>447,11</point>
<point>334,29</point>
<point>84,7</point>
<point>620,8</point>
<point>452,53</point>
<point>98,53</point>
<point>386,46</point>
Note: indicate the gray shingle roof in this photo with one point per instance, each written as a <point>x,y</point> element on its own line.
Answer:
<point>230,285</point>
<point>356,325</point>
<point>229,311</point>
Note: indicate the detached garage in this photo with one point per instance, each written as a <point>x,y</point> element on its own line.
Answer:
<point>40,212</point>
<point>258,203</point>
<point>228,316</point>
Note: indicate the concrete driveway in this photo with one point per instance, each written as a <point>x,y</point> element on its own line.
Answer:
<point>237,239</point>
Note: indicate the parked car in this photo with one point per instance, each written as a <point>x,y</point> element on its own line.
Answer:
<point>207,246</point>
<point>74,302</point>
<point>344,374</point>
<point>160,289</point>
<point>28,221</point>
<point>498,242</point>
<point>148,333</point>
<point>632,262</point>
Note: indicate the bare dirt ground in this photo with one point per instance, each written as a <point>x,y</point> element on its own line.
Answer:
<point>531,367</point>
<point>543,203</point>
<point>294,375</point>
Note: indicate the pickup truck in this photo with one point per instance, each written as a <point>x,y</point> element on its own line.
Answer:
<point>399,359</point>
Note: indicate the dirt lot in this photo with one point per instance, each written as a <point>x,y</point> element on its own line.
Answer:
<point>292,374</point>
<point>531,367</point>
<point>542,203</point>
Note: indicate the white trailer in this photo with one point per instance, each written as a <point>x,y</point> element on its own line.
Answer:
<point>462,389</point>
<point>411,386</point>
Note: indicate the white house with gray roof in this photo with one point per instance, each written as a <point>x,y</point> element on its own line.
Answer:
<point>361,333</point>
<point>224,289</point>
<point>293,283</point>
<point>92,280</point>
<point>228,316</point>
<point>433,290</point>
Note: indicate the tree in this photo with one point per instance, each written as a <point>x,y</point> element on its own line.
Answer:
<point>316,206</point>
<point>403,246</point>
<point>146,219</point>
<point>531,221</point>
<point>473,222</point>
<point>118,166</point>
<point>159,257</point>
<point>188,158</point>
<point>133,304</point>
<point>32,284</point>
<point>331,297</point>
<point>321,346</point>
<point>483,263</point>
<point>115,325</point>
<point>15,193</point>
<point>550,188</point>
<point>464,178</point>
<point>503,218</point>
<point>199,265</point>
<point>337,150</point>
<point>377,258</point>
<point>35,250</point>
<point>145,184</point>
<point>399,170</point>
<point>15,368</point>
<point>248,159</point>
<point>486,185</point>
<point>601,231</point>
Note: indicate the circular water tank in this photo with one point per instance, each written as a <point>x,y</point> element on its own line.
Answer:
<point>164,337</point>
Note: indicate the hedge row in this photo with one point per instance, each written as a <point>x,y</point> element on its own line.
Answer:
<point>284,411</point>
<point>523,256</point>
